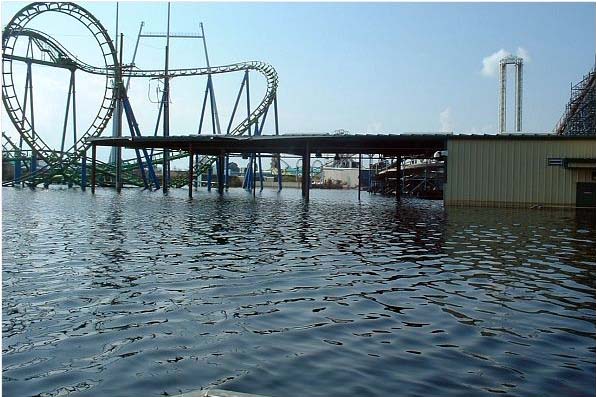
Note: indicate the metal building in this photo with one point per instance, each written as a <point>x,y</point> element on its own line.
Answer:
<point>521,171</point>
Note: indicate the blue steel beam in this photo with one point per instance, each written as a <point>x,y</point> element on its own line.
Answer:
<point>134,130</point>
<point>203,109</point>
<point>244,79</point>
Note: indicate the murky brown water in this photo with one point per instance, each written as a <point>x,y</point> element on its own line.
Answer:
<point>145,295</point>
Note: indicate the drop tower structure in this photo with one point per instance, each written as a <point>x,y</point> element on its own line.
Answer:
<point>519,66</point>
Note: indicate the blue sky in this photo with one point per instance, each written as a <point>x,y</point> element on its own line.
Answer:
<point>363,67</point>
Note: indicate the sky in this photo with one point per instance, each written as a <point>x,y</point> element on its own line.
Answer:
<point>363,67</point>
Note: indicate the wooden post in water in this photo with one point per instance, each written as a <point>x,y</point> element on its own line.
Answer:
<point>93,165</point>
<point>191,158</point>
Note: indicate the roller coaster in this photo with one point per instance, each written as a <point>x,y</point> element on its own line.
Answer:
<point>579,117</point>
<point>45,165</point>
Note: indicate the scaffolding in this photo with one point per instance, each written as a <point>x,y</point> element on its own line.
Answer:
<point>580,113</point>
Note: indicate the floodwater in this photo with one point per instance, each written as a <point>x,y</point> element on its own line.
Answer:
<point>144,295</point>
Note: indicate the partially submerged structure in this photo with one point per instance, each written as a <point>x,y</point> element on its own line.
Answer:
<point>505,170</point>
<point>515,170</point>
<point>521,170</point>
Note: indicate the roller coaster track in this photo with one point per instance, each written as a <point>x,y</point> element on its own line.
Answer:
<point>12,104</point>
<point>62,58</point>
<point>58,56</point>
<point>582,101</point>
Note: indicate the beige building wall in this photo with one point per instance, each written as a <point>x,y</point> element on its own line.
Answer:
<point>515,172</point>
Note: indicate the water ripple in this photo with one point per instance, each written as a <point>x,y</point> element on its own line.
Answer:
<point>141,294</point>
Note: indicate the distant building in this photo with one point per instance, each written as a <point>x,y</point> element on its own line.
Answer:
<point>344,176</point>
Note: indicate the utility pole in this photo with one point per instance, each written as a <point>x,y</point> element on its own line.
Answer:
<point>166,111</point>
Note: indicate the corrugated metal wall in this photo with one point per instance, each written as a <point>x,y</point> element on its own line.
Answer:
<point>513,172</point>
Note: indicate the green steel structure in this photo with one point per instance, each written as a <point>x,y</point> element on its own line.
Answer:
<point>68,163</point>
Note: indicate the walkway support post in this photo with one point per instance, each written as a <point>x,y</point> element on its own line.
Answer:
<point>209,177</point>
<point>306,173</point>
<point>33,161</point>
<point>279,174</point>
<point>191,158</point>
<point>93,166</point>
<point>254,176</point>
<point>398,179</point>
<point>84,171</point>
<point>227,173</point>
<point>370,180</point>
<point>359,174</point>
<point>17,168</point>
<point>221,160</point>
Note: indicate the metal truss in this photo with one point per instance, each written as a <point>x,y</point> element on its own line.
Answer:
<point>68,160</point>
<point>580,113</point>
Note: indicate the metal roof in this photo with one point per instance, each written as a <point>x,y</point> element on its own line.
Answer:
<point>425,144</point>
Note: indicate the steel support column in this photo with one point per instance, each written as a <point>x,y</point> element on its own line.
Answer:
<point>254,176</point>
<point>370,178</point>
<point>118,169</point>
<point>84,171</point>
<point>209,177</point>
<point>306,173</point>
<point>503,98</point>
<point>17,168</point>
<point>260,174</point>
<point>279,174</point>
<point>247,174</point>
<point>166,111</point>
<point>93,166</point>
<point>166,122</point>
<point>398,178</point>
<point>359,174</point>
<point>221,161</point>
<point>227,172</point>
<point>191,158</point>
<point>119,126</point>
<point>518,95</point>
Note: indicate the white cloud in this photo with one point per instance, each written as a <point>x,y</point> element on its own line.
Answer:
<point>523,53</point>
<point>374,128</point>
<point>490,64</point>
<point>446,120</point>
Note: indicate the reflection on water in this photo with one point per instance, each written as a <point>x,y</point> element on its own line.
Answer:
<point>144,295</point>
